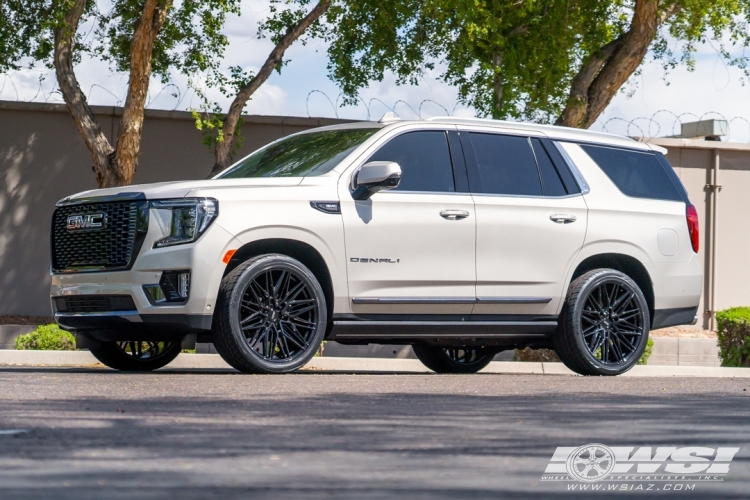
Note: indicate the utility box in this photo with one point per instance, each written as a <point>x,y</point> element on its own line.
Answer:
<point>711,130</point>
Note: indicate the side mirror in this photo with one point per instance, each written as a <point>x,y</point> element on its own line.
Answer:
<point>375,176</point>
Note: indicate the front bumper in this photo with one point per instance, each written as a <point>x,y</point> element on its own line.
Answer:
<point>147,320</point>
<point>130,325</point>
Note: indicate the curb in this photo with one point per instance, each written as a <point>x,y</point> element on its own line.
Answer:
<point>214,362</point>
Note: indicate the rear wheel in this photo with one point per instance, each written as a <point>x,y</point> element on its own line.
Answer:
<point>453,359</point>
<point>604,324</point>
<point>136,355</point>
<point>272,315</point>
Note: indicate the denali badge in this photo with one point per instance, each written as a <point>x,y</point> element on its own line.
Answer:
<point>374,261</point>
<point>88,221</point>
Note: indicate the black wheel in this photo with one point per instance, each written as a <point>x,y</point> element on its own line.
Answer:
<point>271,316</point>
<point>604,324</point>
<point>136,355</point>
<point>453,359</point>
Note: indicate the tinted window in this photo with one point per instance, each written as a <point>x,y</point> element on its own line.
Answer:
<point>552,184</point>
<point>506,164</point>
<point>634,173</point>
<point>673,175</point>
<point>300,155</point>
<point>424,159</point>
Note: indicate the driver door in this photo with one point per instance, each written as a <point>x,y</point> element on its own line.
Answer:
<point>411,250</point>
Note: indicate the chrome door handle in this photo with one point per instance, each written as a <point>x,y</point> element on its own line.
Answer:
<point>454,214</point>
<point>562,218</point>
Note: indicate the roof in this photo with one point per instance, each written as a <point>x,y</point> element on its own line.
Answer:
<point>552,131</point>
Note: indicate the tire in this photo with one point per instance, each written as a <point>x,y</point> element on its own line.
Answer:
<point>136,356</point>
<point>453,359</point>
<point>271,315</point>
<point>604,324</point>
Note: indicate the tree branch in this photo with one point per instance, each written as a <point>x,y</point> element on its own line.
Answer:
<point>97,143</point>
<point>599,79</point>
<point>224,148</point>
<point>131,124</point>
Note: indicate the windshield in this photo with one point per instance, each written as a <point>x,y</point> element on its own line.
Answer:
<point>301,155</point>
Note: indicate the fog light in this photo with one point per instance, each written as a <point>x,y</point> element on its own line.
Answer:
<point>184,284</point>
<point>174,286</point>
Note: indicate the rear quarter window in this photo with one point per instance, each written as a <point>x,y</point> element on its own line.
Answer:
<point>635,173</point>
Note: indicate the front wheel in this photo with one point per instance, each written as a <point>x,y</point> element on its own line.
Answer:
<point>136,355</point>
<point>272,315</point>
<point>604,324</point>
<point>453,359</point>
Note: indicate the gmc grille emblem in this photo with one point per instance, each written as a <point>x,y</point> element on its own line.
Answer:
<point>78,222</point>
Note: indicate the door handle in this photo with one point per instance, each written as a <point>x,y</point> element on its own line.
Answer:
<point>562,218</point>
<point>454,214</point>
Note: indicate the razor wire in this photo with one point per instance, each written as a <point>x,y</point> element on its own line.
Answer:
<point>661,123</point>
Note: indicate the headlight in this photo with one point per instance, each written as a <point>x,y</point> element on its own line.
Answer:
<point>190,218</point>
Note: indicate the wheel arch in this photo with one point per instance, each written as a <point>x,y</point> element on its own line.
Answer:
<point>299,250</point>
<point>626,264</point>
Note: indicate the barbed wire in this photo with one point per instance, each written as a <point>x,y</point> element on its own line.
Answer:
<point>661,123</point>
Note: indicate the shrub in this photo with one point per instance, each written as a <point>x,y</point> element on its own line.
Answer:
<point>646,352</point>
<point>733,331</point>
<point>47,338</point>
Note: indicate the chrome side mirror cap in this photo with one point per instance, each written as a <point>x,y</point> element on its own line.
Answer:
<point>375,176</point>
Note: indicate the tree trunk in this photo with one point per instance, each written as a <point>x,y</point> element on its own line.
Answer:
<point>131,123</point>
<point>497,83</point>
<point>223,150</point>
<point>603,74</point>
<point>99,147</point>
<point>112,166</point>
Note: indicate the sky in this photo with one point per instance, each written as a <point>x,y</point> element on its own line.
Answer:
<point>656,108</point>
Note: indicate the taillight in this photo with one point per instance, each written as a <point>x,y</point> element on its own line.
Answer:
<point>692,221</point>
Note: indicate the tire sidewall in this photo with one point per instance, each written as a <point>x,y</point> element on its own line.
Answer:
<point>256,268</point>
<point>586,289</point>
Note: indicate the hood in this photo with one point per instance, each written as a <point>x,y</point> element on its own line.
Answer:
<point>180,189</point>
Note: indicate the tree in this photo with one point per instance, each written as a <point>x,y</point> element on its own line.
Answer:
<point>139,37</point>
<point>284,27</point>
<point>556,61</point>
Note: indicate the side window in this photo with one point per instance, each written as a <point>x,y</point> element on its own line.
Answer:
<point>424,159</point>
<point>552,184</point>
<point>636,174</point>
<point>506,164</point>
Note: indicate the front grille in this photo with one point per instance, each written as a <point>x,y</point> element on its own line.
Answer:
<point>94,303</point>
<point>101,248</point>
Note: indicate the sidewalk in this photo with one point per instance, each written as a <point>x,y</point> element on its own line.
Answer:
<point>214,362</point>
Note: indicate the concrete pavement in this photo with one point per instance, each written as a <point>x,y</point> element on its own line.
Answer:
<point>336,364</point>
<point>91,433</point>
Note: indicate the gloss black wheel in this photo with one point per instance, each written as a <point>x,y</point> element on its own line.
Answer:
<point>604,325</point>
<point>272,315</point>
<point>453,359</point>
<point>136,355</point>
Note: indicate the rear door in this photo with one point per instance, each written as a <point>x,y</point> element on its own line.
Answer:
<point>410,250</point>
<point>531,223</point>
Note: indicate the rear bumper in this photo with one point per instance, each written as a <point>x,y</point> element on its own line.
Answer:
<point>664,318</point>
<point>130,325</point>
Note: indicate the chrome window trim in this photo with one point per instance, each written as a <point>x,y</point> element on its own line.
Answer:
<point>450,300</point>
<point>585,189</point>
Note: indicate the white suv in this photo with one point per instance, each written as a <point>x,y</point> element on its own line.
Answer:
<point>461,237</point>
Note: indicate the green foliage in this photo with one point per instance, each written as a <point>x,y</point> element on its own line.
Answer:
<point>508,59</point>
<point>190,41</point>
<point>47,338</point>
<point>733,332</point>
<point>646,352</point>
<point>211,126</point>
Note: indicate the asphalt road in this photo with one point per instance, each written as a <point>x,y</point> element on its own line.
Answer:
<point>86,433</point>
